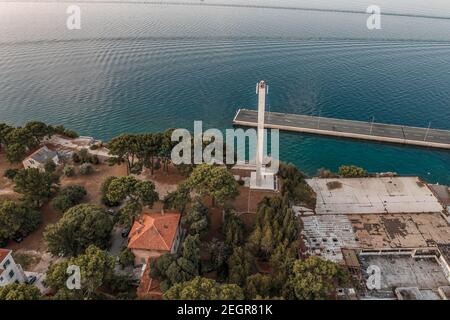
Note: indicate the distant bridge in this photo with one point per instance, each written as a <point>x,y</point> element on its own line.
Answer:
<point>372,131</point>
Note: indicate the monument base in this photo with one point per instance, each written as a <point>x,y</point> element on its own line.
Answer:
<point>268,181</point>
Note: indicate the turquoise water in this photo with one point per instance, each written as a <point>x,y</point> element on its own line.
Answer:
<point>136,68</point>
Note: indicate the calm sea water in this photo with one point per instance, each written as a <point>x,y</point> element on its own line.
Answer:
<point>136,68</point>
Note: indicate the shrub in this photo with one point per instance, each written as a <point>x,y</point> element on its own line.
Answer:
<point>94,160</point>
<point>70,134</point>
<point>104,190</point>
<point>65,132</point>
<point>11,173</point>
<point>121,284</point>
<point>86,169</point>
<point>294,187</point>
<point>126,257</point>
<point>69,171</point>
<point>84,156</point>
<point>76,158</point>
<point>50,166</point>
<point>68,197</point>
<point>352,172</point>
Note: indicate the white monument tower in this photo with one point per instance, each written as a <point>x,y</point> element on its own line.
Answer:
<point>261,179</point>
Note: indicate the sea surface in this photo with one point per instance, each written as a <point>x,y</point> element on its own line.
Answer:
<point>137,67</point>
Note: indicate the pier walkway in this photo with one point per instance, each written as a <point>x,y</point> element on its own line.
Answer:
<point>425,137</point>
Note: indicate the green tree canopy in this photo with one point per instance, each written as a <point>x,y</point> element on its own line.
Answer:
<point>19,140</point>
<point>15,152</point>
<point>19,291</point>
<point>275,224</point>
<point>96,267</point>
<point>240,265</point>
<point>79,227</point>
<point>312,279</point>
<point>203,289</point>
<point>258,285</point>
<point>171,269</point>
<point>38,130</point>
<point>214,181</point>
<point>50,166</point>
<point>4,131</point>
<point>126,257</point>
<point>137,193</point>
<point>149,149</point>
<point>68,197</point>
<point>125,149</point>
<point>17,219</point>
<point>56,276</point>
<point>166,147</point>
<point>233,230</point>
<point>178,199</point>
<point>219,253</point>
<point>35,186</point>
<point>294,187</point>
<point>104,191</point>
<point>197,219</point>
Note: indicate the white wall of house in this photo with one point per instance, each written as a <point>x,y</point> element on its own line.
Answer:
<point>176,241</point>
<point>12,272</point>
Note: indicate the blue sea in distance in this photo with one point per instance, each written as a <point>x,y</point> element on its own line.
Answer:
<point>147,67</point>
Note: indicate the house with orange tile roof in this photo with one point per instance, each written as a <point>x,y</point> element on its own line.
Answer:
<point>153,235</point>
<point>10,272</point>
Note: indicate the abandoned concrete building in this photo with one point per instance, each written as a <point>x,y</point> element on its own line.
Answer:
<point>395,223</point>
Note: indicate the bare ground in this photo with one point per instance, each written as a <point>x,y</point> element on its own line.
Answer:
<point>6,185</point>
<point>92,183</point>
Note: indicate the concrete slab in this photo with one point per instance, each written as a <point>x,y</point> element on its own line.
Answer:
<point>374,196</point>
<point>406,271</point>
<point>376,231</point>
<point>326,235</point>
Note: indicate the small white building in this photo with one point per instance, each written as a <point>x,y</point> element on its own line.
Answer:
<point>10,272</point>
<point>39,158</point>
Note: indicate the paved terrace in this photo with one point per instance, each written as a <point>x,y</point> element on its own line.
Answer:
<point>424,137</point>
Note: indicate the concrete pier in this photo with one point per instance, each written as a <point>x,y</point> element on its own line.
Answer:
<point>424,137</point>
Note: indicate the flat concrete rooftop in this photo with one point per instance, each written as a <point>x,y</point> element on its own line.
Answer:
<point>326,235</point>
<point>406,271</point>
<point>374,195</point>
<point>386,231</point>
